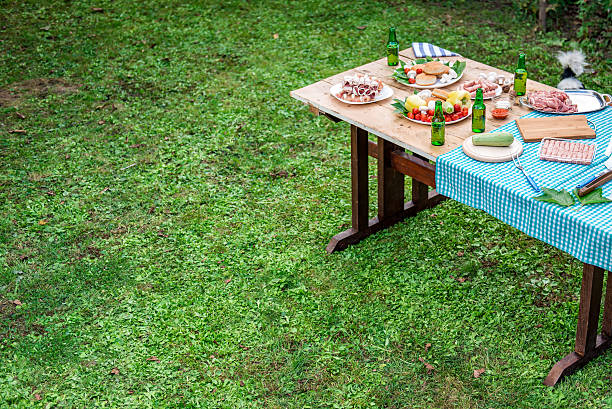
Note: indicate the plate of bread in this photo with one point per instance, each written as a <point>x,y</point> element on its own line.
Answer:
<point>426,73</point>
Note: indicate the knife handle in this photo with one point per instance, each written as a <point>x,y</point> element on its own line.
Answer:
<point>602,179</point>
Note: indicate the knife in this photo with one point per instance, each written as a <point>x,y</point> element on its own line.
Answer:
<point>599,180</point>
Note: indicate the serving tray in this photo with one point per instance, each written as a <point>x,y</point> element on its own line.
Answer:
<point>587,100</point>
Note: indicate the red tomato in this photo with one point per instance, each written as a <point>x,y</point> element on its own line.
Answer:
<point>417,117</point>
<point>410,115</point>
<point>406,70</point>
<point>454,117</point>
<point>411,80</point>
<point>430,112</point>
<point>446,117</point>
<point>464,111</point>
<point>457,107</point>
<point>427,119</point>
<point>419,70</point>
<point>415,111</point>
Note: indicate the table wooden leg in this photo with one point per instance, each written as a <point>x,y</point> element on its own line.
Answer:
<point>359,193</point>
<point>393,164</point>
<point>588,344</point>
<point>359,178</point>
<point>390,185</point>
<point>606,325</point>
<point>420,192</point>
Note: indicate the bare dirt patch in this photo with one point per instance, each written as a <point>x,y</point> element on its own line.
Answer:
<point>39,87</point>
<point>7,308</point>
<point>12,324</point>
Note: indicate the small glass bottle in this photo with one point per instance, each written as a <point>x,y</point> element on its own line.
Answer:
<point>478,113</point>
<point>392,48</point>
<point>437,125</point>
<point>520,76</point>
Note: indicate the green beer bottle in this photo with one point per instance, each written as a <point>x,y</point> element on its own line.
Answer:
<point>437,125</point>
<point>392,48</point>
<point>478,113</point>
<point>520,76</point>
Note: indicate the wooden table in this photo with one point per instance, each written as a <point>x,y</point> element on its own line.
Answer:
<point>403,148</point>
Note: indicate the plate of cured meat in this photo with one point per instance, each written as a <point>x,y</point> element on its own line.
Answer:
<point>361,89</point>
<point>551,102</point>
<point>489,89</point>
<point>566,103</point>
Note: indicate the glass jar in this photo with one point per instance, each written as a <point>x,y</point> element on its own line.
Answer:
<point>502,106</point>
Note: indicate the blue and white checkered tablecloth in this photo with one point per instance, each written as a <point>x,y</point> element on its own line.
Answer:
<point>501,190</point>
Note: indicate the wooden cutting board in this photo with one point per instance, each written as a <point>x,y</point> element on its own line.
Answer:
<point>566,127</point>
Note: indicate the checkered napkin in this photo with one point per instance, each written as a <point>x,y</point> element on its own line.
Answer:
<point>429,50</point>
<point>502,190</point>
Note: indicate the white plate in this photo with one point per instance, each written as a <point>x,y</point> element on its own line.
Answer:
<point>494,154</point>
<point>438,84</point>
<point>498,92</point>
<point>384,93</point>
<point>447,123</point>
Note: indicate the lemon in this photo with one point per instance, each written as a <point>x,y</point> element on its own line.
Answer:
<point>414,101</point>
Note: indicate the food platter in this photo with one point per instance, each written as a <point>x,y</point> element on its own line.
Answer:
<point>491,89</point>
<point>420,108</point>
<point>385,93</point>
<point>401,73</point>
<point>447,123</point>
<point>498,92</point>
<point>437,84</point>
<point>587,101</point>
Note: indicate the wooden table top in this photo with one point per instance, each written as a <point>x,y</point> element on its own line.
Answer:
<point>379,118</point>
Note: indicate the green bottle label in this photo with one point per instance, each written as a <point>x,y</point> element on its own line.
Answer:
<point>478,120</point>
<point>437,133</point>
<point>393,53</point>
<point>520,82</point>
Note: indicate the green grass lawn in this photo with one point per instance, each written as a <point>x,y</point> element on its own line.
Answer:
<point>163,220</point>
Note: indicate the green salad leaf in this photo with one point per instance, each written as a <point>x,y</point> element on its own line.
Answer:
<point>400,106</point>
<point>400,76</point>
<point>594,197</point>
<point>561,197</point>
<point>459,66</point>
